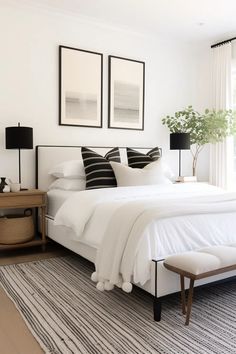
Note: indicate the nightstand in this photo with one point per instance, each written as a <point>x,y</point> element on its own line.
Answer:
<point>32,198</point>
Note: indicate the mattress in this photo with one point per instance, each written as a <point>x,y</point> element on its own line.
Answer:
<point>64,235</point>
<point>56,197</point>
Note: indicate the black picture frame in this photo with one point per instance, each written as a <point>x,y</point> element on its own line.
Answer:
<point>80,87</point>
<point>126,100</point>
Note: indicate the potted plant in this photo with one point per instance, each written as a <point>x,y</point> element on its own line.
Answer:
<point>210,127</point>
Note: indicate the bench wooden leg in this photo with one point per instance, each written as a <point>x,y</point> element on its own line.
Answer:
<point>182,294</point>
<point>190,301</point>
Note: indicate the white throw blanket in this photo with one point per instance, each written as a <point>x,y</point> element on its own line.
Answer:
<point>116,255</point>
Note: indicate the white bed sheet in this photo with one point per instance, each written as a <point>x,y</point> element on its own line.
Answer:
<point>180,234</point>
<point>89,213</point>
<point>162,237</point>
<point>56,197</point>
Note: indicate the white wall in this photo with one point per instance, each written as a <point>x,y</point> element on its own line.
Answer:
<point>177,75</point>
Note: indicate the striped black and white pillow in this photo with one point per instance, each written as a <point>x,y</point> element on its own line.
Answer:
<point>98,171</point>
<point>137,159</point>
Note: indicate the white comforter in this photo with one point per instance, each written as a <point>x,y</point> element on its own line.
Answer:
<point>132,225</point>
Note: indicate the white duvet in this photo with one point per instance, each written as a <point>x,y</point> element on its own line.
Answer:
<point>132,225</point>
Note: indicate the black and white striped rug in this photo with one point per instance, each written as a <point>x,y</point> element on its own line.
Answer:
<point>66,313</point>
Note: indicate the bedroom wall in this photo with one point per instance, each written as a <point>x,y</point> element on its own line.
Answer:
<point>177,74</point>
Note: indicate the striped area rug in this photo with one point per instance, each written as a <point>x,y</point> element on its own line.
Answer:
<point>66,314</point>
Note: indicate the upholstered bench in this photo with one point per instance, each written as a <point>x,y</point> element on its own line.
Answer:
<point>198,265</point>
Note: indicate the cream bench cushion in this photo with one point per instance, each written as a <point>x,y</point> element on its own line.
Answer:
<point>204,260</point>
<point>193,262</point>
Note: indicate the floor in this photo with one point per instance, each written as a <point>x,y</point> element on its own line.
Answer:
<point>15,337</point>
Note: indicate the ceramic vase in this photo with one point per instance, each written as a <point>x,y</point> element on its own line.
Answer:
<point>3,184</point>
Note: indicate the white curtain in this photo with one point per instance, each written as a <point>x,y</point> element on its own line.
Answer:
<point>221,154</point>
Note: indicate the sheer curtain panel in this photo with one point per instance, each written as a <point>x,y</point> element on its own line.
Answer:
<point>221,154</point>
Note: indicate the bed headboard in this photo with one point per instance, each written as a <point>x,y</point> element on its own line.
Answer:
<point>49,155</point>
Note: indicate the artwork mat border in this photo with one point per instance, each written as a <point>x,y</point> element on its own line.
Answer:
<point>61,47</point>
<point>109,92</point>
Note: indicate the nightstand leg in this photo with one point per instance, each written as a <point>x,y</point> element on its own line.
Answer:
<point>43,227</point>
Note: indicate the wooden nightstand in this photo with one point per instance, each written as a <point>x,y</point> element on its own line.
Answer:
<point>32,198</point>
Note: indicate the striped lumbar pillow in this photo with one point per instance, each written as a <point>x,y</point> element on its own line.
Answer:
<point>98,171</point>
<point>137,159</point>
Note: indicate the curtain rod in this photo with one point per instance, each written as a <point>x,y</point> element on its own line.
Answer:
<point>223,42</point>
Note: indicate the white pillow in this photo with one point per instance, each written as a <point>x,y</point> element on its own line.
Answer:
<point>68,169</point>
<point>68,184</point>
<point>150,174</point>
<point>167,170</point>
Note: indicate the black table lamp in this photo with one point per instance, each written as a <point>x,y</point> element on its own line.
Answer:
<point>179,141</point>
<point>19,138</point>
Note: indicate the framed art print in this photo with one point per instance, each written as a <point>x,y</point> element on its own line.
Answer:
<point>80,87</point>
<point>126,87</point>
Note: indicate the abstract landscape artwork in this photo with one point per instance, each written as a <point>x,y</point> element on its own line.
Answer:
<point>80,87</point>
<point>126,93</point>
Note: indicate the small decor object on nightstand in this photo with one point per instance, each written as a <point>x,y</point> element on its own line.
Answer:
<point>15,187</point>
<point>3,185</point>
<point>187,179</point>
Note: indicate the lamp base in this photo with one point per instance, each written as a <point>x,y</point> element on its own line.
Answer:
<point>187,179</point>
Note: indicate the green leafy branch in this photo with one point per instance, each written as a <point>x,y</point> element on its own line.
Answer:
<point>210,127</point>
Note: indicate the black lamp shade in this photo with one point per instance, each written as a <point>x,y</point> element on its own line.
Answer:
<point>19,138</point>
<point>179,141</point>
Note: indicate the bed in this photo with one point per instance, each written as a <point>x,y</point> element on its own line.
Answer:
<point>206,229</point>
